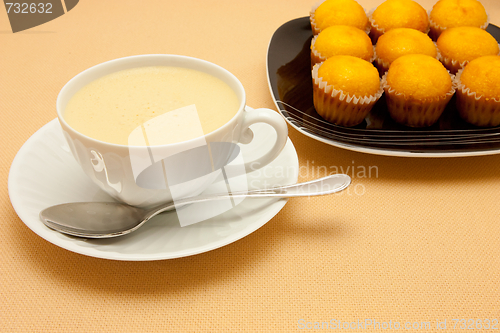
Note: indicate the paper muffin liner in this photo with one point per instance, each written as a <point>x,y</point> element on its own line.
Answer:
<point>312,19</point>
<point>375,30</point>
<point>339,108</point>
<point>411,112</point>
<point>436,30</point>
<point>383,66</point>
<point>314,27</point>
<point>454,65</point>
<point>451,64</point>
<point>317,57</point>
<point>474,108</point>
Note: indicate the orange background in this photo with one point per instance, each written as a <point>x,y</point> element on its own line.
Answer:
<point>421,243</point>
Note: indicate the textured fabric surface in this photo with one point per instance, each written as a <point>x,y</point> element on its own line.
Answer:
<point>415,241</point>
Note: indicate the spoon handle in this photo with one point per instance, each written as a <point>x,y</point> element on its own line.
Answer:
<point>321,186</point>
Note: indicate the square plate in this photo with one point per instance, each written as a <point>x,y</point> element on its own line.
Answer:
<point>289,78</point>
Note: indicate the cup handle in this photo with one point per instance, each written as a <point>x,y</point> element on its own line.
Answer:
<point>272,118</point>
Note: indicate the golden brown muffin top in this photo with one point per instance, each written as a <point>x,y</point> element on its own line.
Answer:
<point>340,12</point>
<point>352,75</point>
<point>393,14</point>
<point>458,13</point>
<point>419,76</point>
<point>402,41</point>
<point>466,43</point>
<point>344,40</point>
<point>482,75</point>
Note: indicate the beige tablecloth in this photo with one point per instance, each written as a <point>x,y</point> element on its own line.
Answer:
<point>418,243</point>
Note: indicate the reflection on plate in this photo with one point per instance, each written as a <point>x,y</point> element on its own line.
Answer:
<point>44,173</point>
<point>288,66</point>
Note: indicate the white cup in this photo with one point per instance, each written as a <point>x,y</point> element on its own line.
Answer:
<point>117,168</point>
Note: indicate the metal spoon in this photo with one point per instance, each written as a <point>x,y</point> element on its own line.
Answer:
<point>109,219</point>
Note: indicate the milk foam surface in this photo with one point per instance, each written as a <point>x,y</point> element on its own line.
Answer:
<point>112,107</point>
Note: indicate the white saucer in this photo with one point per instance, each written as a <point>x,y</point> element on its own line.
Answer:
<point>44,173</point>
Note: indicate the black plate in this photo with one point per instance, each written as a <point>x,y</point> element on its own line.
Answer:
<point>289,74</point>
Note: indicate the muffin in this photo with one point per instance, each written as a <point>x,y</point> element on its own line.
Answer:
<point>456,13</point>
<point>345,88</point>
<point>399,42</point>
<point>458,46</point>
<point>417,88</point>
<point>341,40</point>
<point>478,91</point>
<point>393,14</point>
<point>338,12</point>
